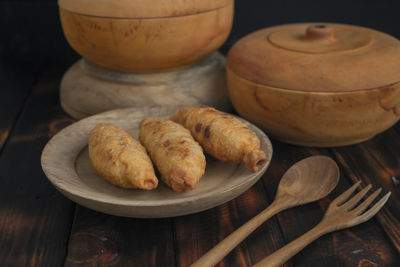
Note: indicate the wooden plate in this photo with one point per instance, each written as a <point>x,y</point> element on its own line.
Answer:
<point>66,163</point>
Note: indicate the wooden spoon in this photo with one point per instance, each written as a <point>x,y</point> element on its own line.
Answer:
<point>306,181</point>
<point>342,213</point>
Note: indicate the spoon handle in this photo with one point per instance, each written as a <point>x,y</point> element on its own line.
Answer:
<point>212,257</point>
<point>283,254</point>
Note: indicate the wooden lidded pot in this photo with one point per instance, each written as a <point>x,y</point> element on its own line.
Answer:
<point>319,84</point>
<point>146,35</point>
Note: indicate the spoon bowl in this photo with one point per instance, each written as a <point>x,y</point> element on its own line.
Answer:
<point>308,180</point>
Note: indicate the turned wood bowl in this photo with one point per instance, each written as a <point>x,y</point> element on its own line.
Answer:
<point>146,36</point>
<point>317,84</point>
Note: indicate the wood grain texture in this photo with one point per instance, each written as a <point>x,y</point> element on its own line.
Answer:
<point>35,220</point>
<point>30,31</point>
<point>147,45</point>
<point>13,94</point>
<point>66,164</point>
<point>356,246</point>
<point>140,8</point>
<point>87,89</point>
<point>317,57</point>
<point>338,216</point>
<point>378,162</point>
<point>98,239</point>
<point>316,118</point>
<point>14,90</point>
<point>197,233</point>
<point>287,80</point>
<point>306,181</point>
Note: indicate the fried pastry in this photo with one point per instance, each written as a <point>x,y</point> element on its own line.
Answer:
<point>222,135</point>
<point>120,158</point>
<point>178,157</point>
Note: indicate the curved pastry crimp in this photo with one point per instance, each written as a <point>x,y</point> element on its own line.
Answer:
<point>222,135</point>
<point>120,158</point>
<point>178,157</point>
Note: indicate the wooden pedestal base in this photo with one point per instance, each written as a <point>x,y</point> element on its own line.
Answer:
<point>88,89</point>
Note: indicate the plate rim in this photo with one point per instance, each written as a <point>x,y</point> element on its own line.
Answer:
<point>46,160</point>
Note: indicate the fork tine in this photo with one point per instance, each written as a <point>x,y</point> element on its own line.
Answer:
<point>351,203</point>
<point>344,196</point>
<point>364,205</point>
<point>372,211</point>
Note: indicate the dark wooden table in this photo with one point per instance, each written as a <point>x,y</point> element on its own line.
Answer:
<point>40,227</point>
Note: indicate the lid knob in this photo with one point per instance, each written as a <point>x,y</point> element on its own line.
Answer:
<point>320,32</point>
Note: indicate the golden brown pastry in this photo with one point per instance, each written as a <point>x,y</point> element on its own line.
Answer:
<point>222,135</point>
<point>120,158</point>
<point>178,157</point>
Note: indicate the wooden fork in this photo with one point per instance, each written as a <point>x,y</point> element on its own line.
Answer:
<point>341,214</point>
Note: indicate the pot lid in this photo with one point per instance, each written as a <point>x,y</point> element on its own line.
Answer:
<point>140,8</point>
<point>317,57</point>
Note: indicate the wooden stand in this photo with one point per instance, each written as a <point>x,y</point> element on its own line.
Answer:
<point>88,89</point>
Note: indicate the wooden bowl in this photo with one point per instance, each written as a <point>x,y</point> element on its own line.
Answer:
<point>319,85</point>
<point>141,36</point>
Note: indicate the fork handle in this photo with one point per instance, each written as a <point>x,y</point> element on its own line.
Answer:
<point>283,254</point>
<point>215,255</point>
